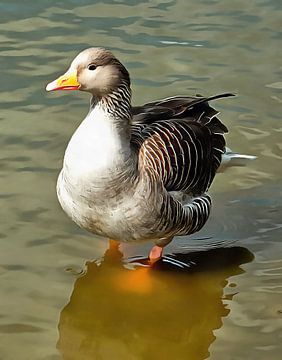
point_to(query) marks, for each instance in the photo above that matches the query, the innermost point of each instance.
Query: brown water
(229, 304)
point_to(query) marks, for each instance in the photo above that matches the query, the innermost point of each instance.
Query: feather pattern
(179, 142)
(181, 139)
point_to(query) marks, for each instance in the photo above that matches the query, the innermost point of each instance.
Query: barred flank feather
(182, 141)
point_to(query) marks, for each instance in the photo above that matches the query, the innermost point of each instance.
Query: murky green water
(230, 305)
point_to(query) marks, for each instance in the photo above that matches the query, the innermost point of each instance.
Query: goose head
(95, 70)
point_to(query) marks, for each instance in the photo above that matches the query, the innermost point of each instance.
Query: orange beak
(68, 81)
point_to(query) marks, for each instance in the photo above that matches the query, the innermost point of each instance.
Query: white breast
(95, 149)
(95, 187)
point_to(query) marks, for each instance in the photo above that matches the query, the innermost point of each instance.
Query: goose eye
(92, 67)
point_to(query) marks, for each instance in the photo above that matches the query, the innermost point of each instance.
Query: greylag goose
(138, 173)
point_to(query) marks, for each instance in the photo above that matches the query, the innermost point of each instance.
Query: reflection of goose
(138, 173)
(116, 313)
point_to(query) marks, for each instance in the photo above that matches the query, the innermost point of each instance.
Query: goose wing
(181, 139)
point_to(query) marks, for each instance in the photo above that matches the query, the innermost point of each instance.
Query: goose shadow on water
(164, 312)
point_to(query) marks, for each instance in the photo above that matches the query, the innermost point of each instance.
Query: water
(228, 305)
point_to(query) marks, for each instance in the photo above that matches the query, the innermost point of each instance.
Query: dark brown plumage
(181, 139)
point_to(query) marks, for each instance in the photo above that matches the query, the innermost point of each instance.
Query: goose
(139, 173)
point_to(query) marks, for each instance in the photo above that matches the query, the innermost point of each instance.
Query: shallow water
(227, 305)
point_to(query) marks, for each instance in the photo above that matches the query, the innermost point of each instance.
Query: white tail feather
(230, 158)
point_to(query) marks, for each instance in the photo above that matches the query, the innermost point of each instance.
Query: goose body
(137, 173)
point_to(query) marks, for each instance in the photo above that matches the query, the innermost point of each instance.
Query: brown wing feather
(180, 139)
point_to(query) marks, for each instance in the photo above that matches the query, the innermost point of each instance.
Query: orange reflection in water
(160, 313)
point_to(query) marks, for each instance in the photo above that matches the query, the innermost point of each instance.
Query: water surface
(231, 311)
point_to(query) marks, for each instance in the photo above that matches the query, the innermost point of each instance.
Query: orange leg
(113, 244)
(155, 254)
(113, 253)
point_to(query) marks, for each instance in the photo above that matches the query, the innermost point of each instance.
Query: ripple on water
(170, 47)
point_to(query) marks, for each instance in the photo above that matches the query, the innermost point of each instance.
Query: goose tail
(230, 158)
